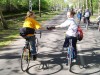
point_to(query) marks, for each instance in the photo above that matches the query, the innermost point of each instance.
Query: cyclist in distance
(71, 33)
(31, 24)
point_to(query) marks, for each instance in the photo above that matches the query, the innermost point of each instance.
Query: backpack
(79, 33)
(25, 31)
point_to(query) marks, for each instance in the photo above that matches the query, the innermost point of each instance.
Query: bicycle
(26, 53)
(70, 54)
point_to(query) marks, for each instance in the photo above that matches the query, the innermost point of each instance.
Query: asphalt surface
(51, 58)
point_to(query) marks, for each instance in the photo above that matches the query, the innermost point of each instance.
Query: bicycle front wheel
(25, 59)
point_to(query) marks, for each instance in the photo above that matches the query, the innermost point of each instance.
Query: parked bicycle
(26, 53)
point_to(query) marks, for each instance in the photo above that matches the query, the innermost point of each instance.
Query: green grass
(6, 36)
(93, 18)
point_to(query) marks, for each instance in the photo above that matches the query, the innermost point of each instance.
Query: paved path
(51, 60)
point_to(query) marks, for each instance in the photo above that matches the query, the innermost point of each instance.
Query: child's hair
(29, 13)
(72, 13)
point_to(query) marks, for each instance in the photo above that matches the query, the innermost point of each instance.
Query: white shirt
(72, 29)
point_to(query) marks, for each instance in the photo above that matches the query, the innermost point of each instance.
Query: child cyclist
(71, 33)
(29, 26)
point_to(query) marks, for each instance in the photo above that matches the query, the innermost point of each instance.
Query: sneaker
(35, 57)
(64, 49)
(74, 60)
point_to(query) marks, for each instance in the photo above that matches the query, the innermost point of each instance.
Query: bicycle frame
(27, 45)
(70, 54)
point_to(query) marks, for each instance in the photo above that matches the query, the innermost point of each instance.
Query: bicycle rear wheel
(69, 56)
(25, 59)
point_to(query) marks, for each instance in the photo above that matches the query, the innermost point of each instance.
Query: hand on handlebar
(50, 28)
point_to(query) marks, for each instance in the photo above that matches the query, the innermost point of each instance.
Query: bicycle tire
(36, 44)
(69, 58)
(25, 59)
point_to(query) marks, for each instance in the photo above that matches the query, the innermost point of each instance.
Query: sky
(65, 0)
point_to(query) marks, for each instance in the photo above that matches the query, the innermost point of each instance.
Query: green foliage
(20, 5)
(83, 4)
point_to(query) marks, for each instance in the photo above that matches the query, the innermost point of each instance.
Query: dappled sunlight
(51, 58)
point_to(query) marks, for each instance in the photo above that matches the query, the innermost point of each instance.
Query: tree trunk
(99, 8)
(40, 8)
(91, 6)
(79, 4)
(8, 5)
(3, 21)
(86, 3)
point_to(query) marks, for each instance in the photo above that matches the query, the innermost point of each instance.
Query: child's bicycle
(70, 54)
(26, 53)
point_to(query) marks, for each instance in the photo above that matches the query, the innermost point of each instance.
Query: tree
(86, 3)
(91, 6)
(98, 7)
(3, 21)
(40, 8)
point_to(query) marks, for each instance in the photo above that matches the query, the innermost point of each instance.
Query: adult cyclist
(71, 33)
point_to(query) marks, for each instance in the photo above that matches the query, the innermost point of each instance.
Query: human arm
(39, 26)
(64, 24)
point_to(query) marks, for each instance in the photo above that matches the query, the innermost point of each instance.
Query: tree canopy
(20, 5)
